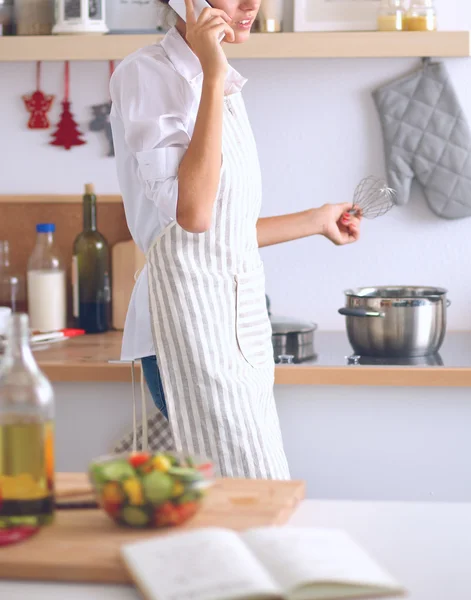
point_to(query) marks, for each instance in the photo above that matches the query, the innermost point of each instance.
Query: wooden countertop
(85, 359)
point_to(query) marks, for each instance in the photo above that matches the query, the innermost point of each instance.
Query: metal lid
(285, 325)
(396, 291)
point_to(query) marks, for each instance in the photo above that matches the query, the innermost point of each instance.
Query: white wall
(318, 135)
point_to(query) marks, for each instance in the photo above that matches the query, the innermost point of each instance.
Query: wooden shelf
(56, 199)
(342, 44)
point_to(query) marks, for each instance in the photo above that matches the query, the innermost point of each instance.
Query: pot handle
(448, 302)
(360, 312)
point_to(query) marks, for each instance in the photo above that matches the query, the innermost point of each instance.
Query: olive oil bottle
(26, 434)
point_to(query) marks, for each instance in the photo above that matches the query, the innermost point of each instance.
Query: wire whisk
(372, 198)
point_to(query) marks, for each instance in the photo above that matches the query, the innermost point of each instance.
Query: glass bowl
(150, 490)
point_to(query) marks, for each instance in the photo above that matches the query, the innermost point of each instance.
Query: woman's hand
(203, 36)
(337, 225)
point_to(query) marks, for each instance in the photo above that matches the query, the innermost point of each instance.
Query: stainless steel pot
(292, 338)
(396, 321)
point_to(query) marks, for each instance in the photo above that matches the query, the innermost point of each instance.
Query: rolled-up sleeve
(153, 102)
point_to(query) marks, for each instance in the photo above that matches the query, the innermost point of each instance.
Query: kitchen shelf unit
(56, 199)
(341, 44)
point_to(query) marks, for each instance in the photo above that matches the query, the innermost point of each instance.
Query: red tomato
(167, 514)
(138, 458)
(112, 508)
(187, 510)
(206, 469)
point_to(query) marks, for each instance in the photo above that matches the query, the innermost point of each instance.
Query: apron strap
(134, 420)
(145, 436)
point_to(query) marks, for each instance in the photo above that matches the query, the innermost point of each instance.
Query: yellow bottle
(421, 16)
(391, 15)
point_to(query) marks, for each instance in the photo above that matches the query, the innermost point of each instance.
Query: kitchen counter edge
(86, 359)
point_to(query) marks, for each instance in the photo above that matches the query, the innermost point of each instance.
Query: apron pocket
(253, 328)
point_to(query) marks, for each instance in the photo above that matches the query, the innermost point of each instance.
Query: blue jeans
(154, 383)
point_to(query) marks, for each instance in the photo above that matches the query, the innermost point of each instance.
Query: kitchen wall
(318, 135)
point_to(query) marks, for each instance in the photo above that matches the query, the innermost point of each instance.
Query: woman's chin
(240, 37)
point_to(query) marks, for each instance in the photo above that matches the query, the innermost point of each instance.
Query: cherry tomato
(206, 469)
(138, 459)
(112, 508)
(187, 510)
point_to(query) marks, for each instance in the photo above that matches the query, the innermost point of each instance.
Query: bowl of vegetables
(150, 490)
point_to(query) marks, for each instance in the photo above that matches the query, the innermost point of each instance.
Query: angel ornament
(38, 104)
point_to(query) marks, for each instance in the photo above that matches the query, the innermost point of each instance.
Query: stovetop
(333, 349)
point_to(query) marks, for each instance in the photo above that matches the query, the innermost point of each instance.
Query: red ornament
(38, 104)
(67, 133)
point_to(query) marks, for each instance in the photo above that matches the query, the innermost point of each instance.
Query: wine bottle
(91, 281)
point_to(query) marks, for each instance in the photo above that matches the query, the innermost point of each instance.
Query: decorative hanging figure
(67, 133)
(38, 104)
(101, 119)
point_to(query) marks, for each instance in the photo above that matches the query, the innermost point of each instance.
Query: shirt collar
(188, 65)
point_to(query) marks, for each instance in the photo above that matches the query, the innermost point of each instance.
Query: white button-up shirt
(155, 93)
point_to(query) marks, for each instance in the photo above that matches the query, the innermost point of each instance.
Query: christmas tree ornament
(101, 119)
(67, 133)
(38, 104)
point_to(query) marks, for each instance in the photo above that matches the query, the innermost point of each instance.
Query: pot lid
(284, 325)
(396, 291)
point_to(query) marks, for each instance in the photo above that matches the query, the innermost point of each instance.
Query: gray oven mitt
(426, 136)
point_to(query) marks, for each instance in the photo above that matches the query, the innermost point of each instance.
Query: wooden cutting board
(83, 545)
(126, 260)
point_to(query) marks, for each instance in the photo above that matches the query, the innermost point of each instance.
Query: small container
(391, 15)
(34, 17)
(270, 16)
(421, 16)
(6, 17)
(27, 438)
(46, 283)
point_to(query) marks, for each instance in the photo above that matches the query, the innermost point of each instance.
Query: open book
(265, 563)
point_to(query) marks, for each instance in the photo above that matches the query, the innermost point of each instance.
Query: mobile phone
(180, 8)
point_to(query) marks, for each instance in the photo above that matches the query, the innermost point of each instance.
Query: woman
(190, 179)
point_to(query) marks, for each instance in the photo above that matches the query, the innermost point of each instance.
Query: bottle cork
(89, 189)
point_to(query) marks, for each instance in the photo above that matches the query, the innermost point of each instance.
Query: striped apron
(211, 329)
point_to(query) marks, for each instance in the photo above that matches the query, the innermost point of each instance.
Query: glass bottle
(391, 15)
(91, 272)
(421, 16)
(47, 302)
(6, 17)
(26, 435)
(12, 285)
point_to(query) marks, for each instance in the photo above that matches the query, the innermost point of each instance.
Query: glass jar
(34, 17)
(46, 283)
(6, 17)
(26, 438)
(12, 284)
(421, 16)
(391, 15)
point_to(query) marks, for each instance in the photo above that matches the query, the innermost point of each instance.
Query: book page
(208, 564)
(298, 557)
